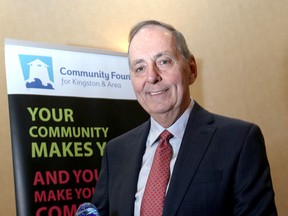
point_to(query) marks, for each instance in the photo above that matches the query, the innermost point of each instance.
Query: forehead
(151, 39)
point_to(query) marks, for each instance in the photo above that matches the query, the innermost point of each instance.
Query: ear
(193, 70)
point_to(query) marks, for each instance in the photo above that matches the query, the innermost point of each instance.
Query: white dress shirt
(177, 129)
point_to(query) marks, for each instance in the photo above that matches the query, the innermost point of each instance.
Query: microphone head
(87, 209)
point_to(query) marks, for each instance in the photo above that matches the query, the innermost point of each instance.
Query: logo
(37, 71)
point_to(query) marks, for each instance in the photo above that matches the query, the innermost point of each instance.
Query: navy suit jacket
(221, 169)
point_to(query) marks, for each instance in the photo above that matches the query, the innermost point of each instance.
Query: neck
(169, 118)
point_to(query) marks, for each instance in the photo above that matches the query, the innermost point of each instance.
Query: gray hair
(181, 44)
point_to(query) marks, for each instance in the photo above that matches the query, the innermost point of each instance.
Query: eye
(164, 62)
(139, 69)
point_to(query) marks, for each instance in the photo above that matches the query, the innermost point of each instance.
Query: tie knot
(166, 135)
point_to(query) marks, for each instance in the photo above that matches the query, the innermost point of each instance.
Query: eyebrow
(136, 61)
(158, 55)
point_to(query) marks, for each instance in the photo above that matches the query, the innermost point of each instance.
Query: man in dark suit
(218, 166)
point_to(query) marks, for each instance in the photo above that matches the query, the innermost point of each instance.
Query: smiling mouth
(158, 92)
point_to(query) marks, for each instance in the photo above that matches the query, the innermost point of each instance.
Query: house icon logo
(37, 71)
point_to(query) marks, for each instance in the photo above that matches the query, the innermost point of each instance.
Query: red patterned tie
(155, 191)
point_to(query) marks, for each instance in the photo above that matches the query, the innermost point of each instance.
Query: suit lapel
(195, 142)
(135, 149)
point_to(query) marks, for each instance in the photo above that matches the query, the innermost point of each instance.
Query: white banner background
(113, 79)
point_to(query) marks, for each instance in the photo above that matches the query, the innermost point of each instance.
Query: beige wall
(241, 48)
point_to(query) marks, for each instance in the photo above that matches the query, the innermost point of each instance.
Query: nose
(153, 75)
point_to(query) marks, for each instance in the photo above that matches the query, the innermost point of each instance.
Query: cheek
(179, 82)
(182, 86)
(137, 85)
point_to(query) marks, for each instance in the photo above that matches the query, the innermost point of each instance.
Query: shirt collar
(177, 129)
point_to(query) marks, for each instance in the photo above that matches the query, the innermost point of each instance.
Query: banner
(65, 104)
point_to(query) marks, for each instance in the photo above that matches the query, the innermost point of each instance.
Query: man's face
(160, 75)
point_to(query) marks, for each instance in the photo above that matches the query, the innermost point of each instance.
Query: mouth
(154, 93)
